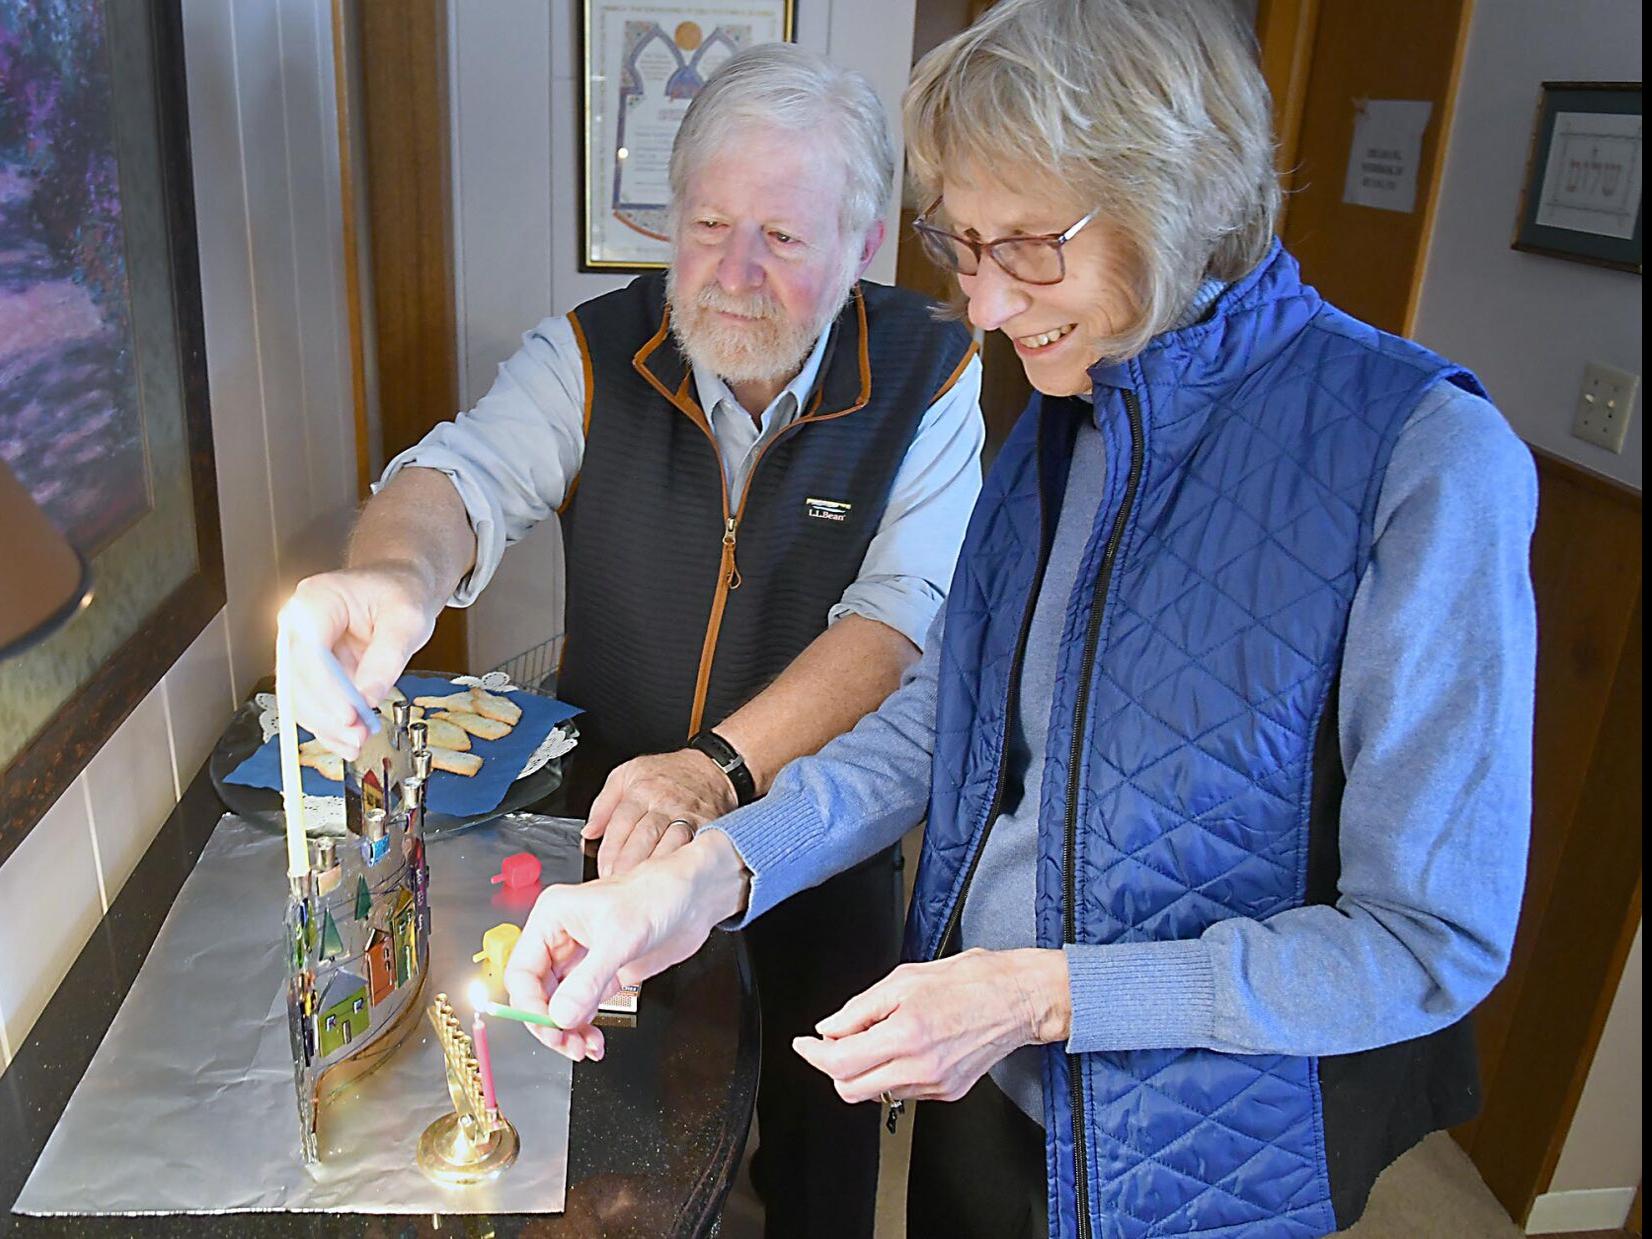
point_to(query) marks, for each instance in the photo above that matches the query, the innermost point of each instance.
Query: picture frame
(118, 263)
(1581, 197)
(643, 61)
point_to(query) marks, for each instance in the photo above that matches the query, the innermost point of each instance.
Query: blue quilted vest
(1186, 778)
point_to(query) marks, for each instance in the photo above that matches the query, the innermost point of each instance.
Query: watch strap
(729, 761)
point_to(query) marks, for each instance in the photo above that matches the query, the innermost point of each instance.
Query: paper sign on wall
(1388, 145)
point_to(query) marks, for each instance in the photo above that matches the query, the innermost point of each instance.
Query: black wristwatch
(729, 761)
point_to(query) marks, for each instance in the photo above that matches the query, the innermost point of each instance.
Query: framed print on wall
(643, 64)
(1582, 197)
(103, 392)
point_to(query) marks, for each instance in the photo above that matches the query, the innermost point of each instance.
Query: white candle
(292, 787)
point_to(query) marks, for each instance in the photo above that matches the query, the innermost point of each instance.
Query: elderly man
(764, 468)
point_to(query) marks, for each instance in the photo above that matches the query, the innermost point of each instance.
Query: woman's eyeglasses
(1032, 260)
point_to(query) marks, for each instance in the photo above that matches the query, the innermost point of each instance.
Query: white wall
(515, 68)
(1603, 1149)
(1526, 323)
(263, 132)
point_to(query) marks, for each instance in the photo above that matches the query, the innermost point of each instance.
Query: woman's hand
(928, 1032)
(581, 943)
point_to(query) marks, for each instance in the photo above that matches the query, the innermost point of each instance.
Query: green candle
(516, 1013)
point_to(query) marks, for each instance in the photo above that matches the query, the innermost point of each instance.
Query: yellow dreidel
(497, 945)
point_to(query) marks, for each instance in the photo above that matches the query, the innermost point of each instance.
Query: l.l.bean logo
(827, 509)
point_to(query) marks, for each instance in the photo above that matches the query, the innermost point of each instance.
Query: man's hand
(928, 1032)
(581, 943)
(652, 805)
(372, 618)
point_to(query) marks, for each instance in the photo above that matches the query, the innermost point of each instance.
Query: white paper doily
(325, 814)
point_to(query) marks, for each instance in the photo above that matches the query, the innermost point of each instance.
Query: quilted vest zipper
(1081, 705)
(947, 941)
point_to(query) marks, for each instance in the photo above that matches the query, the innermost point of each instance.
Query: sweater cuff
(770, 837)
(1140, 996)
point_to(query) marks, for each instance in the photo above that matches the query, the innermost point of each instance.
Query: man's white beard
(769, 347)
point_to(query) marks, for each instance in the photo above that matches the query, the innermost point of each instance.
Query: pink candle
(479, 1035)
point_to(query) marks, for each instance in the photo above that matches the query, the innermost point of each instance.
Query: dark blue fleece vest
(1193, 690)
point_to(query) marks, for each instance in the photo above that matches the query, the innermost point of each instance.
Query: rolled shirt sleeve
(513, 457)
(1435, 714)
(908, 565)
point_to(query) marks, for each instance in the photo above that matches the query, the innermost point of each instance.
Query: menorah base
(450, 1154)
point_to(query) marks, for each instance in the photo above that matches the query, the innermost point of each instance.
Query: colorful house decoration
(343, 1012)
(358, 946)
(403, 925)
(381, 966)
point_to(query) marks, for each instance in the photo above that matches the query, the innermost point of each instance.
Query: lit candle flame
(478, 996)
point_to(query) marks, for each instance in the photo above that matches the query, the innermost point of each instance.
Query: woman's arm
(1436, 726)
(858, 795)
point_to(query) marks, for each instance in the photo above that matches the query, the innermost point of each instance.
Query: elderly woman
(1223, 737)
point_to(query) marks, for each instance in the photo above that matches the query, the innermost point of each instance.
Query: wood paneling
(1285, 36)
(1368, 261)
(1539, 1028)
(406, 123)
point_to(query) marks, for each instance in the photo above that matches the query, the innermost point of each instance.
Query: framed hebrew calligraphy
(643, 64)
(1582, 196)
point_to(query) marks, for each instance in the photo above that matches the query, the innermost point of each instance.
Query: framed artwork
(1582, 196)
(103, 392)
(643, 64)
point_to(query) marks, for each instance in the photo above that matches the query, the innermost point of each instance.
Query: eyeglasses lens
(948, 253)
(1036, 261)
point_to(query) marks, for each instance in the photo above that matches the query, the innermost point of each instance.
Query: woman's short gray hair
(1155, 111)
(781, 85)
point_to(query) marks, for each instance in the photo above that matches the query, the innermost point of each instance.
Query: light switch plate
(1604, 406)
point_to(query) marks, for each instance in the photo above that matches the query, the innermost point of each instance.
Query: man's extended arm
(417, 519)
(436, 529)
(410, 549)
(843, 674)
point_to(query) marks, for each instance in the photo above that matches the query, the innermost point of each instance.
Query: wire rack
(536, 666)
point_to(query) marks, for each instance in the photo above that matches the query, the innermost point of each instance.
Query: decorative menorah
(475, 1142)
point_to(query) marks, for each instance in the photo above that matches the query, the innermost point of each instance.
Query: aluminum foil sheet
(188, 1107)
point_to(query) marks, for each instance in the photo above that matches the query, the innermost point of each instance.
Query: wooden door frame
(401, 52)
(1285, 42)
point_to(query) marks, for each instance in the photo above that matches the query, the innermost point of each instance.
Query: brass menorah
(474, 1142)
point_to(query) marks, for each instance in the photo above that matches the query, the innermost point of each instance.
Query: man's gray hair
(783, 86)
(1155, 111)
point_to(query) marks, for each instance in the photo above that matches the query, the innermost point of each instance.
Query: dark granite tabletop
(656, 1130)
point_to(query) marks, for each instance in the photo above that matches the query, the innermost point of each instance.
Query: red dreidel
(518, 869)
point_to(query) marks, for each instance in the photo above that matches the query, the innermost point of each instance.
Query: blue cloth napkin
(450, 794)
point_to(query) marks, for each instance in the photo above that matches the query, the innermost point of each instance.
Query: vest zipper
(1092, 637)
(948, 937)
(728, 571)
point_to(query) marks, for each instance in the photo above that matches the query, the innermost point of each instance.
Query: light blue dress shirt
(515, 455)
